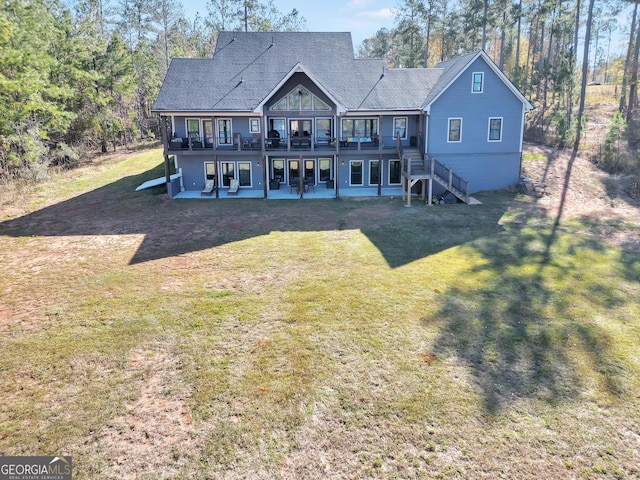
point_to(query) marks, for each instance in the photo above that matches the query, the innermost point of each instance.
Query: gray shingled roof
(246, 67)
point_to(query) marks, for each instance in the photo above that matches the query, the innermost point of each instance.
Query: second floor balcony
(259, 143)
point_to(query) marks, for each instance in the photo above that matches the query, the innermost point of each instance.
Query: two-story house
(296, 114)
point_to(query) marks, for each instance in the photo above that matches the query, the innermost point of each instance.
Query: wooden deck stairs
(417, 168)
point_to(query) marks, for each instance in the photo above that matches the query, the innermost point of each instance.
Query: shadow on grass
(172, 228)
(533, 326)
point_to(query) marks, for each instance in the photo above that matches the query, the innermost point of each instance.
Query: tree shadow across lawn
(172, 228)
(530, 327)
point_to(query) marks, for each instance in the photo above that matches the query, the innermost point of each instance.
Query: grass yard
(242, 338)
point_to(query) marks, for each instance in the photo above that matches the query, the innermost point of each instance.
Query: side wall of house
(486, 164)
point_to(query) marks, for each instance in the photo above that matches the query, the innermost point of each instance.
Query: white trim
(250, 162)
(384, 113)
(376, 118)
(330, 159)
(473, 82)
(351, 162)
(288, 165)
(389, 175)
(370, 162)
(299, 68)
(206, 113)
(209, 162)
(236, 172)
(186, 126)
(217, 130)
(524, 111)
(489, 129)
(315, 169)
(317, 130)
(449, 129)
(406, 127)
(300, 119)
(425, 147)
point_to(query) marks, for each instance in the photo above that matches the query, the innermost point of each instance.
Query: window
(324, 131)
(400, 127)
(325, 169)
(294, 170)
(228, 172)
(209, 170)
(240, 171)
(277, 125)
(395, 177)
(355, 172)
(455, 130)
(277, 169)
(300, 99)
(207, 126)
(254, 125)
(294, 100)
(193, 128)
(305, 99)
(244, 174)
(359, 127)
(224, 132)
(495, 129)
(310, 171)
(477, 82)
(374, 172)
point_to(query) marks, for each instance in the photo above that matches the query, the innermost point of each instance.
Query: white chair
(208, 188)
(233, 187)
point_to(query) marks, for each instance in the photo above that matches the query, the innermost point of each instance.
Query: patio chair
(233, 187)
(208, 188)
(294, 184)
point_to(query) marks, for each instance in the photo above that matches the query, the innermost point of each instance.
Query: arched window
(300, 99)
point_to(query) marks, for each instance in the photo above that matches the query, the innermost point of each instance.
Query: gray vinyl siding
(487, 165)
(193, 170)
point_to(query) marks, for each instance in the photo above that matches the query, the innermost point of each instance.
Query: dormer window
(477, 82)
(300, 99)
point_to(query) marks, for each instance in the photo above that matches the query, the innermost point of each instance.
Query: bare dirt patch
(156, 430)
(576, 188)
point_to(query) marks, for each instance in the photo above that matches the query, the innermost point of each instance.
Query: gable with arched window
(298, 99)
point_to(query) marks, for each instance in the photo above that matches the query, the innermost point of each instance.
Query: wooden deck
(416, 168)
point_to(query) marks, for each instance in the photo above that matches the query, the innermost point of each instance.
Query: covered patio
(286, 194)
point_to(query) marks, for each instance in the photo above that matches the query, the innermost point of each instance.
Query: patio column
(264, 175)
(217, 179)
(167, 174)
(337, 176)
(164, 132)
(379, 175)
(300, 177)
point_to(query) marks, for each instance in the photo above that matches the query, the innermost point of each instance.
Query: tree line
(83, 74)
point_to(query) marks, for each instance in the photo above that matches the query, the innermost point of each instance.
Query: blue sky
(363, 18)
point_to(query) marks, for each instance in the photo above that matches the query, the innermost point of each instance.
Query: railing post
(239, 140)
(409, 185)
(450, 177)
(467, 193)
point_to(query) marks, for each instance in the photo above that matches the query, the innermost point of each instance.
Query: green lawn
(245, 338)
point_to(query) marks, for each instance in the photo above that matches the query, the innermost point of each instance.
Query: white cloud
(382, 14)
